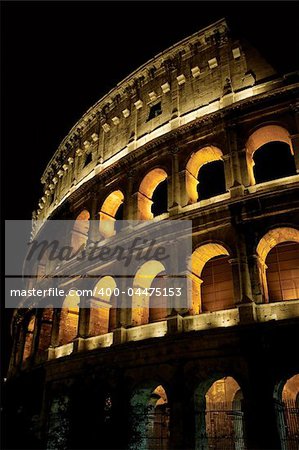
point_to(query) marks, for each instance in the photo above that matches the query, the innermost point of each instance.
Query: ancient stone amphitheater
(205, 131)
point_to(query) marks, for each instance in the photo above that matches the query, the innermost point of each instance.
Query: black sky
(59, 58)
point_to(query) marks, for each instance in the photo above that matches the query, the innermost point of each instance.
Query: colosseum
(206, 131)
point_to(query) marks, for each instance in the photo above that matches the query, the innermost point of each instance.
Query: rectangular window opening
(155, 111)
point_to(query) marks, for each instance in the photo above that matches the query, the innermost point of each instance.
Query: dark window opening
(160, 199)
(211, 180)
(88, 159)
(155, 111)
(273, 160)
(119, 217)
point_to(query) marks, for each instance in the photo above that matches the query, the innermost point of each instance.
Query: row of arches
(218, 408)
(269, 154)
(213, 289)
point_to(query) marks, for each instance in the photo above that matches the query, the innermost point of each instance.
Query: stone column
(259, 414)
(183, 191)
(246, 306)
(93, 232)
(123, 313)
(178, 413)
(227, 172)
(234, 262)
(238, 163)
(174, 188)
(130, 200)
(254, 270)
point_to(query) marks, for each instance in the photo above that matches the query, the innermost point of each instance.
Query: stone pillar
(259, 415)
(183, 191)
(256, 284)
(130, 200)
(242, 155)
(93, 232)
(195, 293)
(227, 172)
(234, 262)
(174, 188)
(238, 163)
(245, 282)
(182, 413)
(246, 306)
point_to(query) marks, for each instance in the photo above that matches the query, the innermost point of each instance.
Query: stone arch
(101, 306)
(147, 187)
(262, 136)
(80, 230)
(218, 414)
(197, 160)
(149, 418)
(142, 303)
(285, 274)
(108, 213)
(69, 318)
(286, 401)
(207, 296)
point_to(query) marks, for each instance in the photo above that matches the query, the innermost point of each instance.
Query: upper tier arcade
(199, 78)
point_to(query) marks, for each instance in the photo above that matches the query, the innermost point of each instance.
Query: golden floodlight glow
(146, 190)
(104, 288)
(262, 136)
(143, 280)
(108, 212)
(270, 240)
(80, 230)
(199, 258)
(197, 160)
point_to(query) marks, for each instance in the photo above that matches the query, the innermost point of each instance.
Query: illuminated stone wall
(220, 102)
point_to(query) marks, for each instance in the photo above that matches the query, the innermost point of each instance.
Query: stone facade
(78, 380)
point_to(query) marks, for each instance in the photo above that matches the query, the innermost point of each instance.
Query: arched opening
(45, 330)
(219, 415)
(152, 195)
(29, 334)
(269, 154)
(159, 199)
(102, 315)
(80, 231)
(146, 305)
(286, 397)
(212, 279)
(149, 419)
(278, 261)
(211, 180)
(69, 318)
(273, 160)
(111, 211)
(205, 174)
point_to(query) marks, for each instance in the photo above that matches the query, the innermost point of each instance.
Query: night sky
(59, 58)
